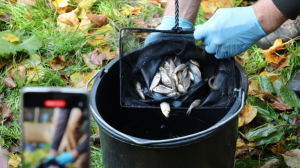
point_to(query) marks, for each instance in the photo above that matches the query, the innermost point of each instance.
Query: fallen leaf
(10, 37)
(211, 6)
(58, 63)
(240, 142)
(68, 21)
(85, 23)
(56, 8)
(278, 149)
(96, 59)
(14, 148)
(265, 94)
(99, 20)
(292, 158)
(154, 22)
(264, 73)
(21, 69)
(85, 4)
(253, 86)
(106, 54)
(6, 17)
(161, 3)
(100, 39)
(33, 74)
(86, 59)
(281, 106)
(251, 113)
(291, 139)
(241, 150)
(242, 116)
(97, 140)
(14, 160)
(271, 164)
(129, 10)
(256, 152)
(63, 3)
(4, 111)
(79, 80)
(269, 54)
(274, 77)
(9, 82)
(251, 144)
(33, 61)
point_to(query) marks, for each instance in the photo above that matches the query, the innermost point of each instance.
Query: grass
(71, 45)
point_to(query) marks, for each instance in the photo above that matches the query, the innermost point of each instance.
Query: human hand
(168, 22)
(230, 32)
(65, 158)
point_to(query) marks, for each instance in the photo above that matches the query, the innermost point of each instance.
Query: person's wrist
(53, 152)
(268, 15)
(75, 153)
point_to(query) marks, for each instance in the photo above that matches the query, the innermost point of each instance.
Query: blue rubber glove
(65, 158)
(49, 159)
(167, 23)
(230, 32)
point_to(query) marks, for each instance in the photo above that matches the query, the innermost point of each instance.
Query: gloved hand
(167, 23)
(65, 158)
(49, 159)
(230, 32)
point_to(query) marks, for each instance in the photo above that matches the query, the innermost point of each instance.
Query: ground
(61, 43)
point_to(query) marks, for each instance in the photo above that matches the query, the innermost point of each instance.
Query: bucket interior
(147, 123)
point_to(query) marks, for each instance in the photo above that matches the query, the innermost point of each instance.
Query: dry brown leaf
(58, 63)
(154, 22)
(106, 54)
(5, 112)
(21, 69)
(86, 59)
(35, 73)
(269, 54)
(96, 59)
(97, 140)
(274, 77)
(281, 106)
(251, 113)
(241, 150)
(14, 148)
(9, 82)
(6, 17)
(271, 164)
(99, 20)
(278, 149)
(65, 21)
(265, 94)
(292, 158)
(256, 152)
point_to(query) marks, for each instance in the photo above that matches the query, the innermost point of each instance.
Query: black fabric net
(142, 63)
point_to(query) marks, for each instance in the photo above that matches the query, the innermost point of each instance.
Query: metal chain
(176, 27)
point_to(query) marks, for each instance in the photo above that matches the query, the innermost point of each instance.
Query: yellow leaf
(80, 80)
(240, 142)
(274, 77)
(292, 158)
(34, 60)
(14, 160)
(2, 13)
(11, 38)
(251, 113)
(253, 86)
(211, 6)
(86, 59)
(251, 144)
(35, 73)
(68, 21)
(63, 4)
(125, 12)
(97, 40)
(106, 54)
(292, 138)
(264, 73)
(278, 149)
(58, 63)
(85, 23)
(76, 77)
(269, 54)
(81, 13)
(85, 4)
(242, 117)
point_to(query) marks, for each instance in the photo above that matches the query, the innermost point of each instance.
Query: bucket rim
(239, 103)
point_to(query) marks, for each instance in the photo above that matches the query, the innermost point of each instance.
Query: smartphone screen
(55, 129)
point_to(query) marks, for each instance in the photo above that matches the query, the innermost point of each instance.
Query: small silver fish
(181, 89)
(195, 104)
(195, 70)
(162, 89)
(185, 72)
(175, 78)
(165, 108)
(186, 82)
(138, 88)
(195, 63)
(180, 67)
(179, 76)
(155, 81)
(166, 65)
(173, 84)
(211, 85)
(177, 61)
(165, 79)
(173, 94)
(172, 66)
(191, 76)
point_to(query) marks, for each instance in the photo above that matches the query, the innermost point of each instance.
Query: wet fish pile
(173, 79)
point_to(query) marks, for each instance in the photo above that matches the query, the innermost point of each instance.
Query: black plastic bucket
(144, 138)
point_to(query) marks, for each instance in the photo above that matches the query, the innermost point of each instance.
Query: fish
(165, 79)
(173, 84)
(181, 89)
(166, 65)
(185, 72)
(195, 104)
(211, 85)
(186, 82)
(195, 70)
(191, 76)
(138, 88)
(180, 67)
(173, 94)
(175, 78)
(163, 89)
(155, 81)
(165, 108)
(177, 61)
(179, 76)
(172, 66)
(195, 63)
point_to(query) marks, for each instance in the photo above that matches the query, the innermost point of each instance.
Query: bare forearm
(268, 15)
(188, 9)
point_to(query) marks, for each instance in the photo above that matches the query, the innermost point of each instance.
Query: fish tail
(189, 111)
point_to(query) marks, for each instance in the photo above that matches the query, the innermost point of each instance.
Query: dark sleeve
(61, 126)
(290, 8)
(83, 146)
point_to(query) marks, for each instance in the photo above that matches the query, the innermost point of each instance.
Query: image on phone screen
(55, 131)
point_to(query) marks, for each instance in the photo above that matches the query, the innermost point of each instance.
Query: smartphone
(55, 127)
